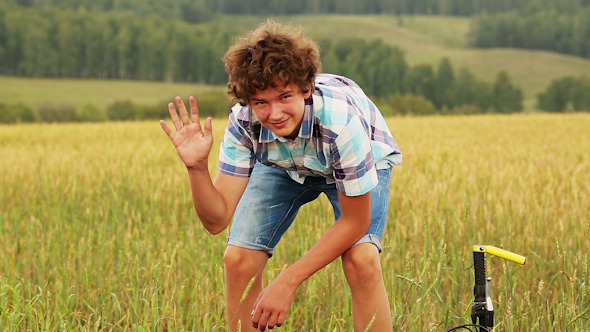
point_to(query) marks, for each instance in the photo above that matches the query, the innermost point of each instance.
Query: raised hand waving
(192, 142)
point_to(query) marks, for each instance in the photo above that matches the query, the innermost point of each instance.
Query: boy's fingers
(281, 319)
(194, 109)
(167, 129)
(208, 126)
(272, 321)
(256, 313)
(182, 111)
(174, 116)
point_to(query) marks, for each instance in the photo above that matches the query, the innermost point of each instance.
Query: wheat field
(98, 233)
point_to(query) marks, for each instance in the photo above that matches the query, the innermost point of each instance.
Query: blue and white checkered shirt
(343, 137)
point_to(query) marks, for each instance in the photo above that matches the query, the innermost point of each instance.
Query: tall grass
(98, 231)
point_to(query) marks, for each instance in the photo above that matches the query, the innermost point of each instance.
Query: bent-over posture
(293, 134)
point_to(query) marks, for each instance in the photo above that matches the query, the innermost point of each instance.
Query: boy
(293, 134)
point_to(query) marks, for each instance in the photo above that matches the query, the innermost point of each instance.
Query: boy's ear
(307, 92)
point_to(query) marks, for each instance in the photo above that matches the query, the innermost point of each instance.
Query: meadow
(35, 92)
(98, 232)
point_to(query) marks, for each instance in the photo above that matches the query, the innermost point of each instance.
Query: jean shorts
(272, 199)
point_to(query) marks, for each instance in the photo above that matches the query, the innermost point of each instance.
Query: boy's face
(280, 108)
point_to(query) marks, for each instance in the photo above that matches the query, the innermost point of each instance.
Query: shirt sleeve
(236, 156)
(354, 167)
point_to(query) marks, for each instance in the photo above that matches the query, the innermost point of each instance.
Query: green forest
(201, 10)
(184, 40)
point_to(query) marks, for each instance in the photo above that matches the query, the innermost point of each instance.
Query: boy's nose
(276, 111)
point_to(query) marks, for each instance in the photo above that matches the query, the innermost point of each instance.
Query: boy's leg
(369, 297)
(241, 266)
(267, 209)
(362, 266)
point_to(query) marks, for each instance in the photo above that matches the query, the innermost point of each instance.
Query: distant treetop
(203, 10)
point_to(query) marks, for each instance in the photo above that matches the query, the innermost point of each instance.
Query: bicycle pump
(482, 311)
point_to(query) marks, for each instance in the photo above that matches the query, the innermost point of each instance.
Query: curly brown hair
(272, 55)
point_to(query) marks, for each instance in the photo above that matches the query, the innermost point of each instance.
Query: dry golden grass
(98, 231)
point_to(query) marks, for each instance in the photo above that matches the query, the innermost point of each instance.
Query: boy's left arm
(270, 309)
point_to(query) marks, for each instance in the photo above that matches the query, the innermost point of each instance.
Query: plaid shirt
(343, 137)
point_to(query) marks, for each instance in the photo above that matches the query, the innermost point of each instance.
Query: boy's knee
(244, 262)
(234, 258)
(362, 264)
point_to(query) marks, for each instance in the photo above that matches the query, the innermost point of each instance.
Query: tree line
(58, 43)
(567, 33)
(383, 73)
(120, 45)
(556, 25)
(566, 94)
(204, 10)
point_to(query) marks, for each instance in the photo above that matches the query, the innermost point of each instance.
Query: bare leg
(362, 268)
(241, 266)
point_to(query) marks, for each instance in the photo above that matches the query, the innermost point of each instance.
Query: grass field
(98, 231)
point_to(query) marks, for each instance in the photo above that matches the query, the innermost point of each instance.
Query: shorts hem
(371, 238)
(250, 245)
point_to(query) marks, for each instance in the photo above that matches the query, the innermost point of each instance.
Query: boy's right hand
(192, 142)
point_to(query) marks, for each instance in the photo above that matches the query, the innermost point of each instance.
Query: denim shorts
(272, 199)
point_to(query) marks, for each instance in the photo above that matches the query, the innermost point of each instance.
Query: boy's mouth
(280, 124)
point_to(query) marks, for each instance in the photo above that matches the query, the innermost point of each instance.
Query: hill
(424, 39)
(427, 39)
